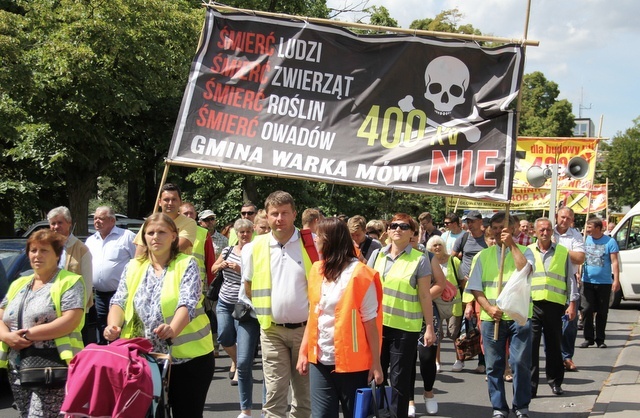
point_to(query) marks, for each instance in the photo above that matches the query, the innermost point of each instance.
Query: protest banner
(285, 97)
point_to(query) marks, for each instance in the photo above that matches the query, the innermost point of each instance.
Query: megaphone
(537, 176)
(578, 168)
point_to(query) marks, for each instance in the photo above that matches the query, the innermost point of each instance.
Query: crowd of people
(331, 306)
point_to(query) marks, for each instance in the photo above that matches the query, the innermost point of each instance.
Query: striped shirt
(231, 285)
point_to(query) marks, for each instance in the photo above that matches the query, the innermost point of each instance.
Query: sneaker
(438, 367)
(480, 369)
(412, 411)
(432, 405)
(586, 343)
(243, 415)
(457, 366)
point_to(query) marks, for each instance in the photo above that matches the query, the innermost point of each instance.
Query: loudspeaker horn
(578, 168)
(537, 176)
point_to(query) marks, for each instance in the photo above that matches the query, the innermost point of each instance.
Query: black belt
(291, 326)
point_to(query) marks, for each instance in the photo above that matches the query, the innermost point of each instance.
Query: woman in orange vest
(340, 354)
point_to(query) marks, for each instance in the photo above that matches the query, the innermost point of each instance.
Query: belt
(111, 293)
(291, 325)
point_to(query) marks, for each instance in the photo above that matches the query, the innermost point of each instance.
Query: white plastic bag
(515, 297)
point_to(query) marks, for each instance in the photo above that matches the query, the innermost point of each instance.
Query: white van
(627, 234)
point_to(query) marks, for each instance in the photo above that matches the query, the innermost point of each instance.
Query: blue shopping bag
(364, 405)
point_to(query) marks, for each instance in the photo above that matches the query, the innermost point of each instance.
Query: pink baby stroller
(122, 379)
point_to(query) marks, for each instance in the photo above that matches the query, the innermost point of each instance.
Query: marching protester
(160, 298)
(340, 347)
(570, 238)
(450, 313)
(43, 312)
(553, 284)
(483, 285)
(230, 264)
(600, 277)
(275, 269)
(404, 271)
(170, 201)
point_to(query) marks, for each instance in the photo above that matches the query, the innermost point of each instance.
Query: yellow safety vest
(490, 272)
(550, 285)
(68, 345)
(401, 308)
(195, 339)
(261, 278)
(198, 252)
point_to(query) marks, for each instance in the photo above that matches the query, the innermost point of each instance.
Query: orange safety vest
(352, 351)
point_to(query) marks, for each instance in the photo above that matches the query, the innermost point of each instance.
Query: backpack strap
(309, 245)
(365, 247)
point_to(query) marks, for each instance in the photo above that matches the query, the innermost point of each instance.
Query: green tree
(621, 165)
(541, 113)
(104, 77)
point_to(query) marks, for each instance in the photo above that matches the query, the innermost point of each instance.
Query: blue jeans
(330, 389)
(569, 335)
(227, 326)
(248, 337)
(495, 352)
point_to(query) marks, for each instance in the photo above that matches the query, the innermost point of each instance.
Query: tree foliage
(621, 165)
(542, 114)
(104, 77)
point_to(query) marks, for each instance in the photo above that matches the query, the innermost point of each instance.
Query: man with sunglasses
(454, 230)
(248, 211)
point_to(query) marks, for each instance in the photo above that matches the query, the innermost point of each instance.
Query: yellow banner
(539, 199)
(543, 153)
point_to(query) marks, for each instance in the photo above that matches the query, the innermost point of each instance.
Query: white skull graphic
(447, 80)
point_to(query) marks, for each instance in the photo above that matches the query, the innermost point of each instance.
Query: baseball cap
(206, 214)
(473, 215)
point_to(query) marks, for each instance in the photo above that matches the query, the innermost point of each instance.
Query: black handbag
(40, 367)
(241, 312)
(214, 289)
(381, 408)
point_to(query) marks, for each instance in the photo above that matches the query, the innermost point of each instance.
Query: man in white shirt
(275, 267)
(564, 234)
(111, 248)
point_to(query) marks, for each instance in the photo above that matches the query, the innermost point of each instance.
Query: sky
(588, 47)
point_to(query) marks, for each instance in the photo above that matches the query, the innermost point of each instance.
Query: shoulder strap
(365, 247)
(465, 237)
(309, 245)
(453, 268)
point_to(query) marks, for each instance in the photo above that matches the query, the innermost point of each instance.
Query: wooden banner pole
(415, 32)
(496, 325)
(165, 173)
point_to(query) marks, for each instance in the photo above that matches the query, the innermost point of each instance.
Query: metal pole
(554, 191)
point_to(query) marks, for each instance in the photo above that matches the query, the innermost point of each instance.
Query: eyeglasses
(248, 213)
(404, 227)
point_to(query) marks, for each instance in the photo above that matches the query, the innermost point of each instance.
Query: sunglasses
(249, 213)
(404, 227)
(209, 219)
(447, 223)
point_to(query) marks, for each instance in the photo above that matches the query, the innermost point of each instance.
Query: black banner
(288, 98)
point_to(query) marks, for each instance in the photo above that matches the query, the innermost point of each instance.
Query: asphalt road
(462, 394)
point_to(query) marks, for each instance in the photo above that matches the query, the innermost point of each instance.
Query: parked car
(627, 235)
(122, 221)
(13, 262)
